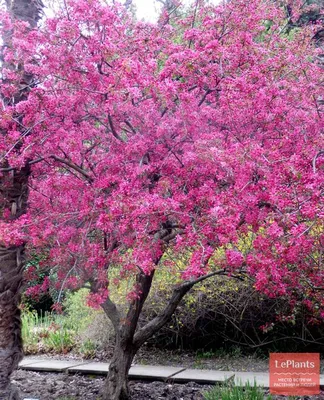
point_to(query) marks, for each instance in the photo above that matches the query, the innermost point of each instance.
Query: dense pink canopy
(194, 136)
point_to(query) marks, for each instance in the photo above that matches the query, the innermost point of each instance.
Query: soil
(61, 386)
(50, 386)
(207, 360)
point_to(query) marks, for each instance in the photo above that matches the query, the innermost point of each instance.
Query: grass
(231, 392)
(47, 333)
(59, 333)
(233, 352)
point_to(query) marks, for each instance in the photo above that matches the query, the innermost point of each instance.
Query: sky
(148, 9)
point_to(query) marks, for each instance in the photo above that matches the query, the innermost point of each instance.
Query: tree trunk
(10, 331)
(116, 385)
(14, 194)
(129, 337)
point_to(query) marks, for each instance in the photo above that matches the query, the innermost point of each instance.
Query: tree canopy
(192, 135)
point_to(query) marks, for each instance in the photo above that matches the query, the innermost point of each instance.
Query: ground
(50, 386)
(204, 360)
(62, 386)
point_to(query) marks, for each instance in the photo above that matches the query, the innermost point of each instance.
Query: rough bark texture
(13, 198)
(10, 326)
(116, 385)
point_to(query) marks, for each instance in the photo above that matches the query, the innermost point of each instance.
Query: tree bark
(116, 385)
(13, 198)
(10, 325)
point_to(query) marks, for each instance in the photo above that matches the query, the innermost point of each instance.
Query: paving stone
(203, 376)
(95, 368)
(261, 378)
(153, 372)
(51, 365)
(29, 360)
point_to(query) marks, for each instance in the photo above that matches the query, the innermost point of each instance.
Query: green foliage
(44, 300)
(78, 315)
(30, 336)
(231, 392)
(61, 333)
(231, 352)
(47, 333)
(88, 349)
(59, 339)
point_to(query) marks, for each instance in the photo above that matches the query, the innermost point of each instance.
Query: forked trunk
(116, 385)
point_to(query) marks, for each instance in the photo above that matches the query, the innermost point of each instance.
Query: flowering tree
(148, 140)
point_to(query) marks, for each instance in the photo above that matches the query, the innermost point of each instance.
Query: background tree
(159, 146)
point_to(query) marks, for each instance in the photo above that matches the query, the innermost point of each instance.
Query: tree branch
(320, 153)
(113, 130)
(58, 159)
(208, 91)
(144, 285)
(37, 160)
(130, 126)
(73, 166)
(112, 313)
(148, 330)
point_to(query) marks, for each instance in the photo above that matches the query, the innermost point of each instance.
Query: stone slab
(29, 360)
(203, 376)
(153, 372)
(260, 378)
(95, 368)
(51, 365)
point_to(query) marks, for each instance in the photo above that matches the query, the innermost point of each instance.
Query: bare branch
(130, 126)
(320, 153)
(143, 334)
(112, 313)
(144, 283)
(58, 159)
(113, 130)
(37, 160)
(204, 97)
(73, 166)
